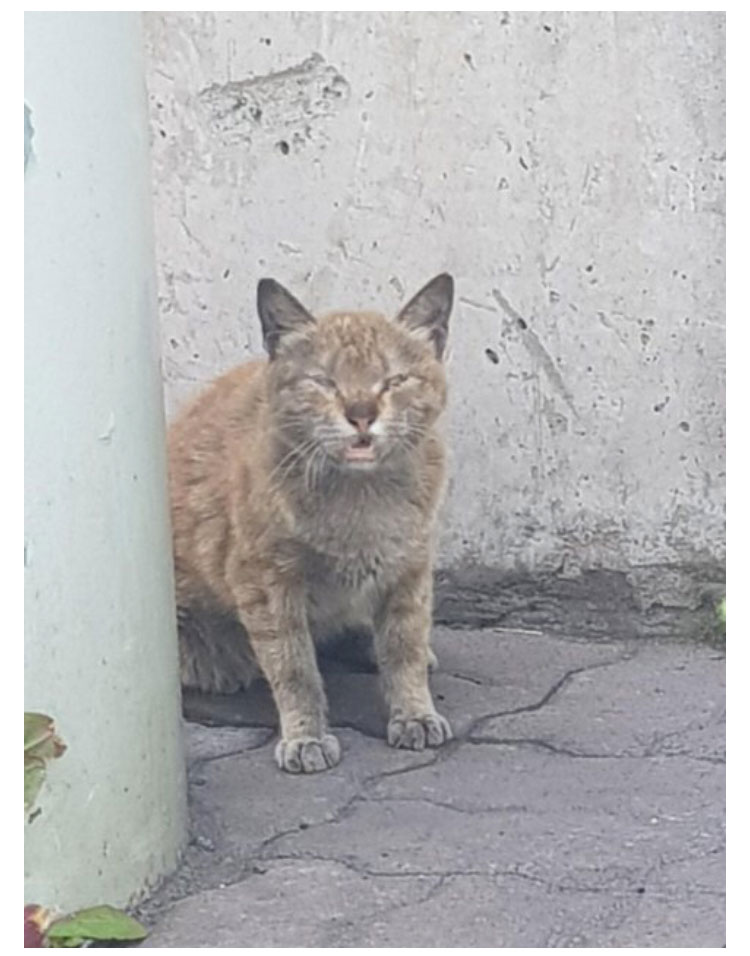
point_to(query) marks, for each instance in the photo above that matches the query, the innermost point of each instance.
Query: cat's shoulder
(234, 387)
(241, 378)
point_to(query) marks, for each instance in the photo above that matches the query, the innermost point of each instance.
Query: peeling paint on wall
(286, 100)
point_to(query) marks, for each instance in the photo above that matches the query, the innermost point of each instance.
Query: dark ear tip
(267, 285)
(444, 283)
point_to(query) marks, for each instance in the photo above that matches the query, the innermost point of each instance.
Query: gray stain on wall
(28, 135)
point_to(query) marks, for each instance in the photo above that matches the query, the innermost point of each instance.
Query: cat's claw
(416, 733)
(308, 754)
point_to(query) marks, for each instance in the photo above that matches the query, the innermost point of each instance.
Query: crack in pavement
(197, 763)
(399, 771)
(638, 887)
(559, 684)
(539, 743)
(435, 757)
(230, 866)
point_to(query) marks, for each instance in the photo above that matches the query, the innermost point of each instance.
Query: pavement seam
(540, 743)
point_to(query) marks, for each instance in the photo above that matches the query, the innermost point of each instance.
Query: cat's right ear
(426, 315)
(280, 314)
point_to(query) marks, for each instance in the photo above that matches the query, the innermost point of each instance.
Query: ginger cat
(304, 491)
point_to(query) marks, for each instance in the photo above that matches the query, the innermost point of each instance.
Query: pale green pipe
(100, 644)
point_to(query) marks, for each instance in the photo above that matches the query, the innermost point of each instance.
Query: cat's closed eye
(395, 380)
(322, 381)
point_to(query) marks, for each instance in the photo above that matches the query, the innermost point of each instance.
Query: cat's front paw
(418, 732)
(308, 754)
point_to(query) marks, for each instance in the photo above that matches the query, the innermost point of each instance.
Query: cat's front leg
(402, 636)
(276, 623)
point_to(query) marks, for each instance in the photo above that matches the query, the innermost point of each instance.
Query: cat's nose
(361, 414)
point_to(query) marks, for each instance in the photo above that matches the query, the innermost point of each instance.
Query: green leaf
(39, 737)
(36, 728)
(721, 611)
(40, 744)
(97, 923)
(34, 772)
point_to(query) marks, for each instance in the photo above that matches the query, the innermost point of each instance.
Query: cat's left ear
(280, 314)
(426, 315)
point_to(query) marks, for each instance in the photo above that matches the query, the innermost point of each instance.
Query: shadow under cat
(351, 681)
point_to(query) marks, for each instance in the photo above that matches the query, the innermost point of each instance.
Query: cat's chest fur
(353, 550)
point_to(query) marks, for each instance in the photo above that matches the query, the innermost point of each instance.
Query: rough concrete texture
(658, 601)
(581, 804)
(567, 168)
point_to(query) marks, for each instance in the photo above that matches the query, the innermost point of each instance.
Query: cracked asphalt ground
(581, 804)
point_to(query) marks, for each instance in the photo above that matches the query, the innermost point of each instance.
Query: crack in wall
(536, 349)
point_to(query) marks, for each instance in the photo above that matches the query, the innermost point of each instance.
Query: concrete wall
(567, 168)
(100, 642)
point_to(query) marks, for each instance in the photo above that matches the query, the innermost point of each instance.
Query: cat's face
(354, 391)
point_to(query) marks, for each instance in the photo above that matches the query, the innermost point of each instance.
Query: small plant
(40, 745)
(97, 924)
(42, 926)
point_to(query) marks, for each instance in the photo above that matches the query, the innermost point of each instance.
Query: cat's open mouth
(360, 451)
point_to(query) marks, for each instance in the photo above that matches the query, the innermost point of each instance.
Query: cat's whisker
(293, 454)
(289, 461)
(310, 469)
(320, 466)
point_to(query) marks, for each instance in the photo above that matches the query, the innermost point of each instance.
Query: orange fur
(304, 491)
